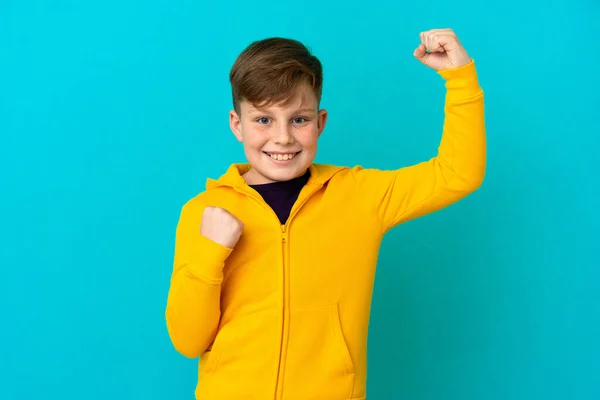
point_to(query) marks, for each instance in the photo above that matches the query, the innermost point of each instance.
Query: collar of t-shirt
(281, 196)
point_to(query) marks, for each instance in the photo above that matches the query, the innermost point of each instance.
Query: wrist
(463, 80)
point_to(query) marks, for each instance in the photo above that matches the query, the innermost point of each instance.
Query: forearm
(193, 312)
(462, 151)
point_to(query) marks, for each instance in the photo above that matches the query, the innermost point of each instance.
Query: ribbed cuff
(461, 81)
(208, 260)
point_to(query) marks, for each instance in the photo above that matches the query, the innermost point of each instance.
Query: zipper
(284, 244)
(278, 386)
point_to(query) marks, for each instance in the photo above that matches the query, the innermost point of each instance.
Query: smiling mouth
(281, 157)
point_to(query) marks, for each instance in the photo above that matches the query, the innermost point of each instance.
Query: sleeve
(193, 303)
(457, 170)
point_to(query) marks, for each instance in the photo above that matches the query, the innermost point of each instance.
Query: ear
(322, 120)
(235, 124)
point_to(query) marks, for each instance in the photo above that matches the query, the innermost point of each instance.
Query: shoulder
(223, 197)
(209, 197)
(194, 207)
(339, 174)
(323, 173)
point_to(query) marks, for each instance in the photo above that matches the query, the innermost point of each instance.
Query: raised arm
(458, 169)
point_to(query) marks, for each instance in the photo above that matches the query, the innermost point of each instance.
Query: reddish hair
(269, 71)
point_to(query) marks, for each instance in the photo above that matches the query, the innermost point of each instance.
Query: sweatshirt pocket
(318, 364)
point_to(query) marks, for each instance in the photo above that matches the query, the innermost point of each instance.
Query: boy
(275, 261)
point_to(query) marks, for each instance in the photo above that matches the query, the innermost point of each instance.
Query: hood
(319, 174)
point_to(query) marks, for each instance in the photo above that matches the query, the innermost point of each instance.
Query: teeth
(282, 157)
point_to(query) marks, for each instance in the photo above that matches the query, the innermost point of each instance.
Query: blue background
(113, 114)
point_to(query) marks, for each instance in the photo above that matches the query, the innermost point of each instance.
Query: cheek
(254, 138)
(309, 137)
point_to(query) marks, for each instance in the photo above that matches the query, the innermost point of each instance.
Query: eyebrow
(302, 110)
(261, 110)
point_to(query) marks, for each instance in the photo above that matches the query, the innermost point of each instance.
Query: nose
(283, 135)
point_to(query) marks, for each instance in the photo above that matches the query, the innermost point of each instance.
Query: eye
(299, 120)
(262, 120)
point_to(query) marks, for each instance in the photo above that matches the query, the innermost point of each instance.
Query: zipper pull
(283, 234)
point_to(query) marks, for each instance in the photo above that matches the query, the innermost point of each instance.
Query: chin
(283, 174)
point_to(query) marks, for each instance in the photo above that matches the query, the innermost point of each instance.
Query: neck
(252, 177)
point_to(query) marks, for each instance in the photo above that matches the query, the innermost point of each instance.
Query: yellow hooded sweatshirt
(284, 314)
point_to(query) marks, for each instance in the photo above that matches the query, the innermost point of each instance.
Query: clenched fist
(440, 49)
(220, 226)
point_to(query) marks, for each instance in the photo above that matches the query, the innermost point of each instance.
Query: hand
(440, 49)
(220, 226)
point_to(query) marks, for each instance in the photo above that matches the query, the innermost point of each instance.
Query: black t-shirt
(281, 196)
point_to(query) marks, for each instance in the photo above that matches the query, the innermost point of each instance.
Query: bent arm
(457, 170)
(193, 303)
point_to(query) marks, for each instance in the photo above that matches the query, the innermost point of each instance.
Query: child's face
(279, 142)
